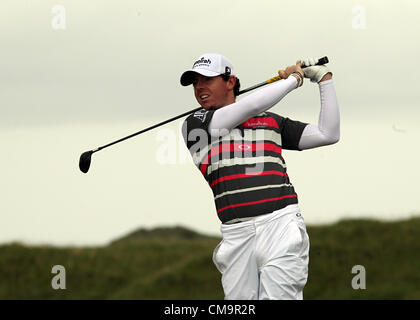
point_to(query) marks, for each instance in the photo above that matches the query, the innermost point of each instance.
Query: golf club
(86, 157)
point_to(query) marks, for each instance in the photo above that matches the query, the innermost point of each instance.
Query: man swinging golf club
(237, 146)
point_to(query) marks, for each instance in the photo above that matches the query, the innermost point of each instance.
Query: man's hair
(237, 84)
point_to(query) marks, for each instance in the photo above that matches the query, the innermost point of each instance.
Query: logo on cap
(202, 61)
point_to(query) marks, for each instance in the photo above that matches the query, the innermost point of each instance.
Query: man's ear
(231, 83)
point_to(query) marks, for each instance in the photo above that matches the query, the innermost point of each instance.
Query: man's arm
(328, 129)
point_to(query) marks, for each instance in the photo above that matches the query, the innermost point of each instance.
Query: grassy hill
(176, 263)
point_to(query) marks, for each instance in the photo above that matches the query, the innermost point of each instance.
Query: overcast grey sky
(114, 69)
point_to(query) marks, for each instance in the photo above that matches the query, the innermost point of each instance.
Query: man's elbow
(330, 138)
(333, 139)
(333, 136)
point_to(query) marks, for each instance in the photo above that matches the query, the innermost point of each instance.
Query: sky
(76, 75)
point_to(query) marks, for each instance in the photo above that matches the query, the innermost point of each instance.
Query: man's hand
(290, 70)
(313, 72)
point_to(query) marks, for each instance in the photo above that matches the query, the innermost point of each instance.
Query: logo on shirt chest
(261, 122)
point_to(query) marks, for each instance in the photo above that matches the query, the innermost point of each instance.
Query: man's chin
(207, 106)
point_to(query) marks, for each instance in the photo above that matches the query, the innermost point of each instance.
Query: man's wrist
(326, 77)
(298, 77)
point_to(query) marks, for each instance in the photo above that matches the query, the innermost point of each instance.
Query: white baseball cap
(210, 65)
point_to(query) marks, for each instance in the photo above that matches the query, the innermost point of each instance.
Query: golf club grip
(321, 61)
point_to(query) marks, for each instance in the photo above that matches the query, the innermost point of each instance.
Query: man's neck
(229, 101)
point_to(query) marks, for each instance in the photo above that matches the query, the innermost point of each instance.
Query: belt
(239, 220)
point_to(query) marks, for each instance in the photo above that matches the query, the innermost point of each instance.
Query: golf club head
(84, 162)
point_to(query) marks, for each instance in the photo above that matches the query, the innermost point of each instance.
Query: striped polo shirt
(245, 168)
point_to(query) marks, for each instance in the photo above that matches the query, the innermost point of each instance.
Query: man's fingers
(282, 74)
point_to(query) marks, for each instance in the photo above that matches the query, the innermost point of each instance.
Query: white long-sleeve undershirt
(326, 132)
(328, 129)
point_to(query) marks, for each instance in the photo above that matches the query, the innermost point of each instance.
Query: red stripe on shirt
(255, 202)
(235, 146)
(247, 175)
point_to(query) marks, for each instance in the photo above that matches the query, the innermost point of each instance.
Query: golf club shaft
(149, 128)
(321, 61)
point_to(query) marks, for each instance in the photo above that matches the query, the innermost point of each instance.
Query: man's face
(212, 91)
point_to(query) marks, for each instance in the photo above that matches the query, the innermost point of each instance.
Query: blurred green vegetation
(176, 263)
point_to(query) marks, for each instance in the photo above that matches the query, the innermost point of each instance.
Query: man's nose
(199, 84)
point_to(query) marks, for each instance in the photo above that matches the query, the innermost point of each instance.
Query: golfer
(238, 147)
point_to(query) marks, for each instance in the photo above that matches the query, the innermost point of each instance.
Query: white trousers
(264, 258)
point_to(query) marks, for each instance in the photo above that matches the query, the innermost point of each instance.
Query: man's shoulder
(272, 114)
(278, 118)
